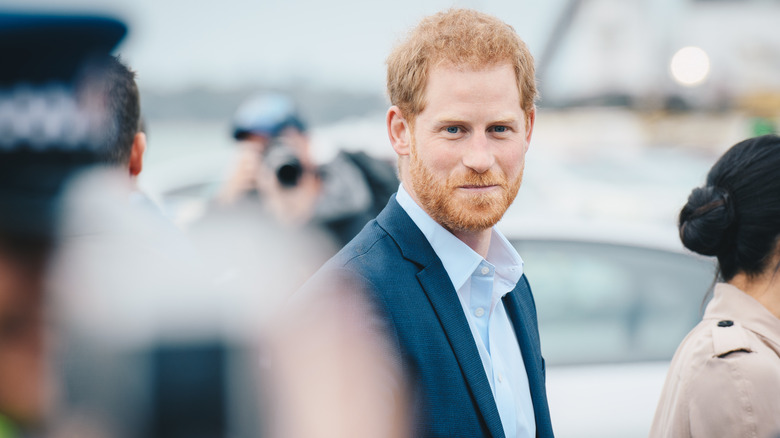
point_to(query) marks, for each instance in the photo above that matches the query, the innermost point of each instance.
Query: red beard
(457, 211)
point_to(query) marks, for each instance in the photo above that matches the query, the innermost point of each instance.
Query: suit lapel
(521, 311)
(444, 300)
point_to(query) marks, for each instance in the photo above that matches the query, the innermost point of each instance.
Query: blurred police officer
(46, 135)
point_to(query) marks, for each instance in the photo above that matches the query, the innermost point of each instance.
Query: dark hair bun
(707, 221)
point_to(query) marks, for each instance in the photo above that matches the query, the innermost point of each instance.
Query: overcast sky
(176, 44)
(611, 47)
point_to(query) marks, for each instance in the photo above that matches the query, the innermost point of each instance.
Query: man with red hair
(447, 286)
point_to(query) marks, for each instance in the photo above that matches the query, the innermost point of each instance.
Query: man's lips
(478, 188)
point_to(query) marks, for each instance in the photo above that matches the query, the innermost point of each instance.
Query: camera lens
(284, 162)
(289, 174)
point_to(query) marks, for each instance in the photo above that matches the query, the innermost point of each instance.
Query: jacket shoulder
(723, 382)
(372, 256)
(367, 248)
(729, 337)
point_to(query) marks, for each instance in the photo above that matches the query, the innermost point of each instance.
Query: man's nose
(479, 155)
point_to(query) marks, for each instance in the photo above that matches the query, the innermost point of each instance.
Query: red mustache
(478, 179)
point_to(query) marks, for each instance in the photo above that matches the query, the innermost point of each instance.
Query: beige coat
(724, 380)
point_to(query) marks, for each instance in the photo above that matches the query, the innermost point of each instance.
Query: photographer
(277, 168)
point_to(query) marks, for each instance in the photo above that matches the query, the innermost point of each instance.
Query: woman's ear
(399, 131)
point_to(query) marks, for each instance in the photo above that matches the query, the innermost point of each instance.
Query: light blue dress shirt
(480, 284)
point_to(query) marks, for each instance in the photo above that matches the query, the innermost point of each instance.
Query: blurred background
(642, 92)
(638, 99)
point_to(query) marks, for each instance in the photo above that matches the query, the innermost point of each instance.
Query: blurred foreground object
(151, 346)
(109, 324)
(46, 135)
(334, 372)
(45, 132)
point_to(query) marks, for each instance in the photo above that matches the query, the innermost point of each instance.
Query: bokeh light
(690, 66)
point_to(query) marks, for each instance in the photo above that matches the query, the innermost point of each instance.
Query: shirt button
(485, 270)
(479, 312)
(725, 323)
(500, 378)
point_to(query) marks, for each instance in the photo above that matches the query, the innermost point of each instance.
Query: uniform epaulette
(729, 337)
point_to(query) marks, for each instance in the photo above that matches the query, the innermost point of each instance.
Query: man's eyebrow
(453, 120)
(505, 121)
(449, 120)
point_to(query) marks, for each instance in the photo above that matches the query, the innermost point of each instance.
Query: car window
(600, 303)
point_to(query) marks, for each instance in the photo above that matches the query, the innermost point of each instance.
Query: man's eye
(499, 129)
(453, 129)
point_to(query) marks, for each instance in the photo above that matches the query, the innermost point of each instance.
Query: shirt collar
(508, 263)
(458, 259)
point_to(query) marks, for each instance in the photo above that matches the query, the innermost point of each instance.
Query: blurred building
(638, 53)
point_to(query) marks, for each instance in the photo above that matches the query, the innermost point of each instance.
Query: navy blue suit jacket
(406, 281)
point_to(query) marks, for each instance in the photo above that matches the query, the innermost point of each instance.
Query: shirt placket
(505, 399)
(481, 297)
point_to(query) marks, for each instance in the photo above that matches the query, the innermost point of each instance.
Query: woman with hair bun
(724, 380)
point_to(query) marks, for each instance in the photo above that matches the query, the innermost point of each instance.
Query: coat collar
(731, 303)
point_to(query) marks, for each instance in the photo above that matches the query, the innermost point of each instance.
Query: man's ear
(137, 154)
(530, 118)
(399, 131)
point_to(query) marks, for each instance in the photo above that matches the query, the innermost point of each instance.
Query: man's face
(468, 146)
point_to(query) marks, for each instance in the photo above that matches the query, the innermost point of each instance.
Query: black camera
(284, 162)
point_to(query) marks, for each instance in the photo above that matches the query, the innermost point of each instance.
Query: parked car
(614, 302)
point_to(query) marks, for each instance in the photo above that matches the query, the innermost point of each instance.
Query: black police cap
(41, 144)
(41, 48)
